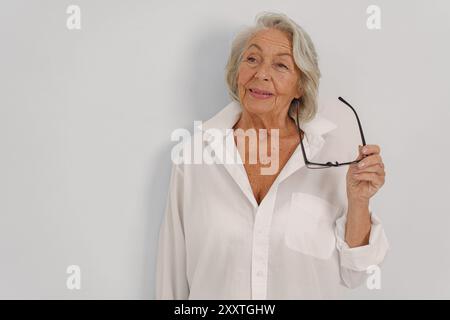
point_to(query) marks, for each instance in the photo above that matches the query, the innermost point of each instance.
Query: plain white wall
(86, 117)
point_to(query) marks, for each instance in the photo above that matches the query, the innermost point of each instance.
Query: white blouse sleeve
(171, 279)
(355, 262)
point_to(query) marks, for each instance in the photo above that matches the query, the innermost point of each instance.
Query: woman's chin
(259, 106)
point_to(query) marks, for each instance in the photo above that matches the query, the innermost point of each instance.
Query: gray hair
(305, 58)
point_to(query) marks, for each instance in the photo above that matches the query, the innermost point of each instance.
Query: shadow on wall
(206, 95)
(206, 74)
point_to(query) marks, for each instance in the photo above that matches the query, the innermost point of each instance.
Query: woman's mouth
(258, 94)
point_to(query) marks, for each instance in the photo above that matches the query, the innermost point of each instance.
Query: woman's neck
(280, 121)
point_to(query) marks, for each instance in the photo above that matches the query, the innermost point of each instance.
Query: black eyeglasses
(314, 165)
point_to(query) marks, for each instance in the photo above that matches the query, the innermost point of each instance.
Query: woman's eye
(252, 60)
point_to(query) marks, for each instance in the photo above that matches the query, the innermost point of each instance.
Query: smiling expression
(268, 76)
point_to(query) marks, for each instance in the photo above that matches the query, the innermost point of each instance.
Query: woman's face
(267, 64)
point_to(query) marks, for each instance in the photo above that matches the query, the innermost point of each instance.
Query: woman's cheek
(241, 91)
(241, 87)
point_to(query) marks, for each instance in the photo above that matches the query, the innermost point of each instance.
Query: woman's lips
(259, 95)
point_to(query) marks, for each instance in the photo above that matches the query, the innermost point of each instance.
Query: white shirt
(216, 242)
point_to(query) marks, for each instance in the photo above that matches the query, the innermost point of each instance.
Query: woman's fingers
(371, 149)
(370, 161)
(369, 176)
(376, 168)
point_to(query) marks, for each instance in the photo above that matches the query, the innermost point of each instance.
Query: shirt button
(259, 273)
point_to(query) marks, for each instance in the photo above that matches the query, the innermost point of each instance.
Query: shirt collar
(228, 117)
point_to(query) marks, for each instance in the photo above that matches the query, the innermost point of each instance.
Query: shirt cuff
(361, 258)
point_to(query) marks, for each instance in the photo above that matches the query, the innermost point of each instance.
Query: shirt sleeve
(356, 262)
(171, 279)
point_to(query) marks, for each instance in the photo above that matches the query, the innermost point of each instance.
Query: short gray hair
(305, 58)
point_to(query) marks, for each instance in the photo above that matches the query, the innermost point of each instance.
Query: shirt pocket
(310, 225)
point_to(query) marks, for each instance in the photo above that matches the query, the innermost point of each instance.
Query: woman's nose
(262, 73)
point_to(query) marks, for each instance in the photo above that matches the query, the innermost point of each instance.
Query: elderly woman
(231, 232)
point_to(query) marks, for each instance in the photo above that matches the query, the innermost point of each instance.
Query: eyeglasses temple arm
(357, 119)
(301, 141)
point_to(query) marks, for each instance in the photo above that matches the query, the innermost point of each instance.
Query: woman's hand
(363, 182)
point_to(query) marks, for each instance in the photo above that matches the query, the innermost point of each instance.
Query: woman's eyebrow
(259, 48)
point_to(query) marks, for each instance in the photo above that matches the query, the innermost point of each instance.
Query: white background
(86, 117)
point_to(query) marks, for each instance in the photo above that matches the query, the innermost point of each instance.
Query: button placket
(260, 249)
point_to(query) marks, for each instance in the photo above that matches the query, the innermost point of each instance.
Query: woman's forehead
(272, 37)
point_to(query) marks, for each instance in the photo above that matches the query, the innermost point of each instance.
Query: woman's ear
(300, 93)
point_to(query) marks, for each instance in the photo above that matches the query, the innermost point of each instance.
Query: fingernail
(364, 150)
